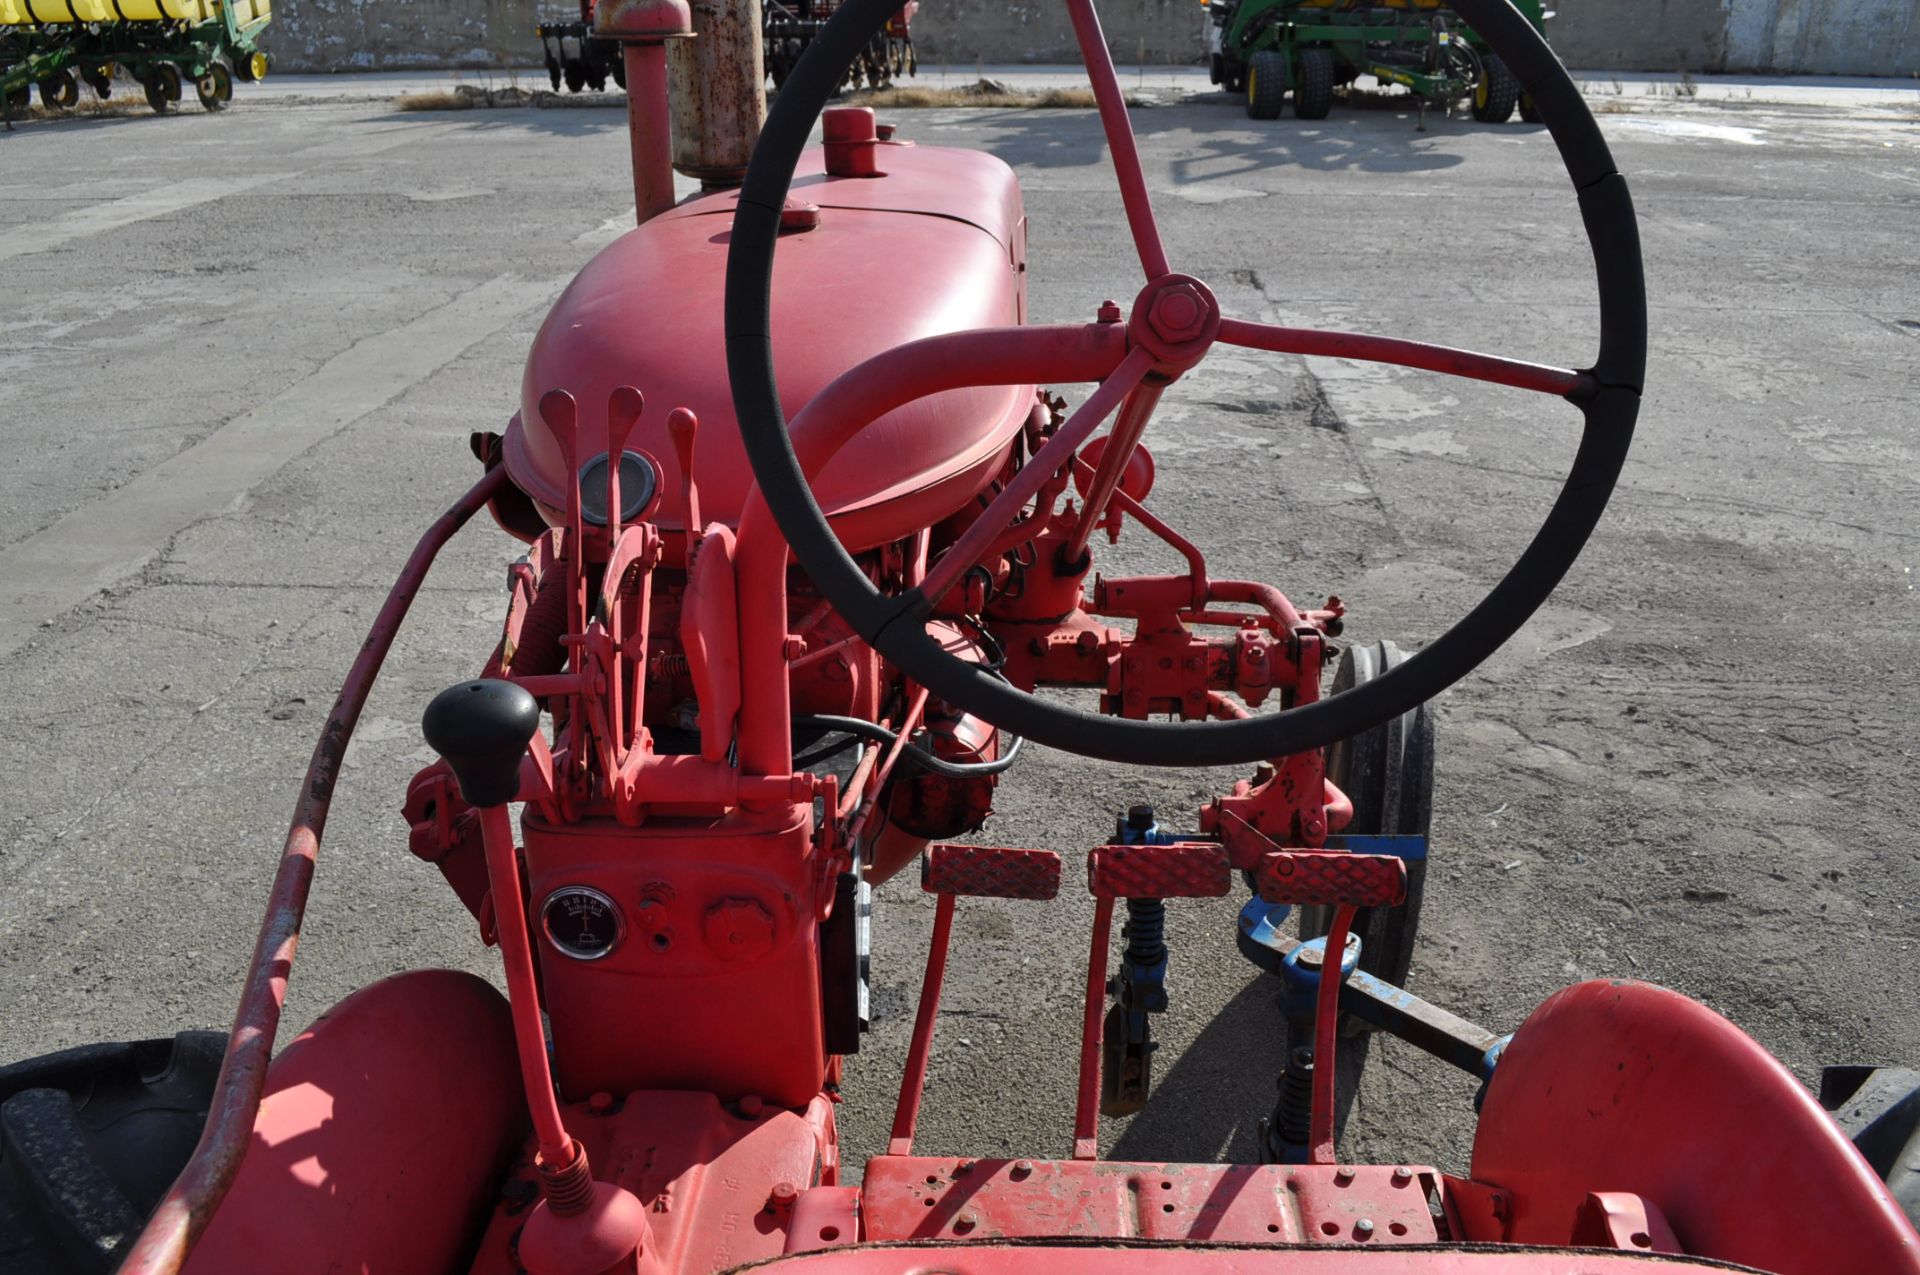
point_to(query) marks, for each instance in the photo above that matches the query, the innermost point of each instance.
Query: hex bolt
(600, 1103)
(1343, 1176)
(1363, 1229)
(1109, 312)
(1179, 313)
(1402, 1175)
(965, 1222)
(1022, 1169)
(784, 1194)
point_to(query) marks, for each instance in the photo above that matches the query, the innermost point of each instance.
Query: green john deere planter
(57, 45)
(1270, 49)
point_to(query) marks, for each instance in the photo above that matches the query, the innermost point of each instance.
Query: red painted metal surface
(1004, 356)
(1184, 870)
(183, 1214)
(646, 312)
(943, 1198)
(706, 1171)
(991, 872)
(1092, 1258)
(1417, 354)
(1627, 1087)
(1086, 1111)
(1326, 1040)
(721, 931)
(648, 128)
(913, 1077)
(381, 1137)
(516, 953)
(1332, 877)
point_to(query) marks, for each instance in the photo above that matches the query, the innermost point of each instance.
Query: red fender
(1627, 1087)
(384, 1131)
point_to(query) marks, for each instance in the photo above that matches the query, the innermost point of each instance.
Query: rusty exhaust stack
(718, 84)
(643, 28)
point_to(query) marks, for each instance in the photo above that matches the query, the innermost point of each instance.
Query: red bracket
(1330, 878)
(994, 872)
(1184, 870)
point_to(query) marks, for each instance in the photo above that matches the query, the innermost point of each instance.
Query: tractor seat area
(934, 244)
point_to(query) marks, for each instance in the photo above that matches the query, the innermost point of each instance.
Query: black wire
(923, 758)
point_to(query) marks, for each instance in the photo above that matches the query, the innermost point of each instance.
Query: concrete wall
(1809, 37)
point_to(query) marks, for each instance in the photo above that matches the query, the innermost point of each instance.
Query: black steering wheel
(1175, 320)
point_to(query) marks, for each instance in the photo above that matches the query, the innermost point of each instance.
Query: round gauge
(581, 922)
(639, 484)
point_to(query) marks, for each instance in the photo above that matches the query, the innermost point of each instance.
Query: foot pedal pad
(1183, 870)
(1329, 878)
(990, 872)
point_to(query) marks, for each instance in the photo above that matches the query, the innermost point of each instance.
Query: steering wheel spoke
(1056, 455)
(1120, 140)
(1365, 347)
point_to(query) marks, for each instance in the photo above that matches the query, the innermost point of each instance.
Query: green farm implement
(55, 46)
(1267, 49)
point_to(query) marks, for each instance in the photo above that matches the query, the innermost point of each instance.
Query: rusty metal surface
(717, 89)
(925, 1197)
(1185, 870)
(994, 872)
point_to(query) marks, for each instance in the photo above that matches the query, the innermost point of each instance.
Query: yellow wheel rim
(1480, 92)
(257, 63)
(1250, 88)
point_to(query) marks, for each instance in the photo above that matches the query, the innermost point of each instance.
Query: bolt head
(1109, 312)
(1179, 313)
(785, 1192)
(1343, 1175)
(1363, 1229)
(1402, 1175)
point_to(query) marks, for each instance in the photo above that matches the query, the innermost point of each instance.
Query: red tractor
(775, 636)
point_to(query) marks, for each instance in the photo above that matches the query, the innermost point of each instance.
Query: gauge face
(581, 922)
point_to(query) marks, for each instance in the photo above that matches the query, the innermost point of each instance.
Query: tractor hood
(935, 244)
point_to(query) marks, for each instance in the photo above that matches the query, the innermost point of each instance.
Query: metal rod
(1121, 442)
(1023, 486)
(650, 129)
(1326, 1036)
(1386, 349)
(913, 1082)
(1086, 1115)
(523, 993)
(1120, 142)
(183, 1214)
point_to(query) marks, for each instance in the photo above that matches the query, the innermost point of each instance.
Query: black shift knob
(482, 729)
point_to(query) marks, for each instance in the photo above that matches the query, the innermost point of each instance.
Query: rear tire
(90, 1140)
(1496, 93)
(1313, 98)
(1387, 773)
(1266, 85)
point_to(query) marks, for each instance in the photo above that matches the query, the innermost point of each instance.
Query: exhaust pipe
(643, 28)
(718, 84)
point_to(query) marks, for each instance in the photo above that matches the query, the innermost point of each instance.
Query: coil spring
(1146, 931)
(1293, 1116)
